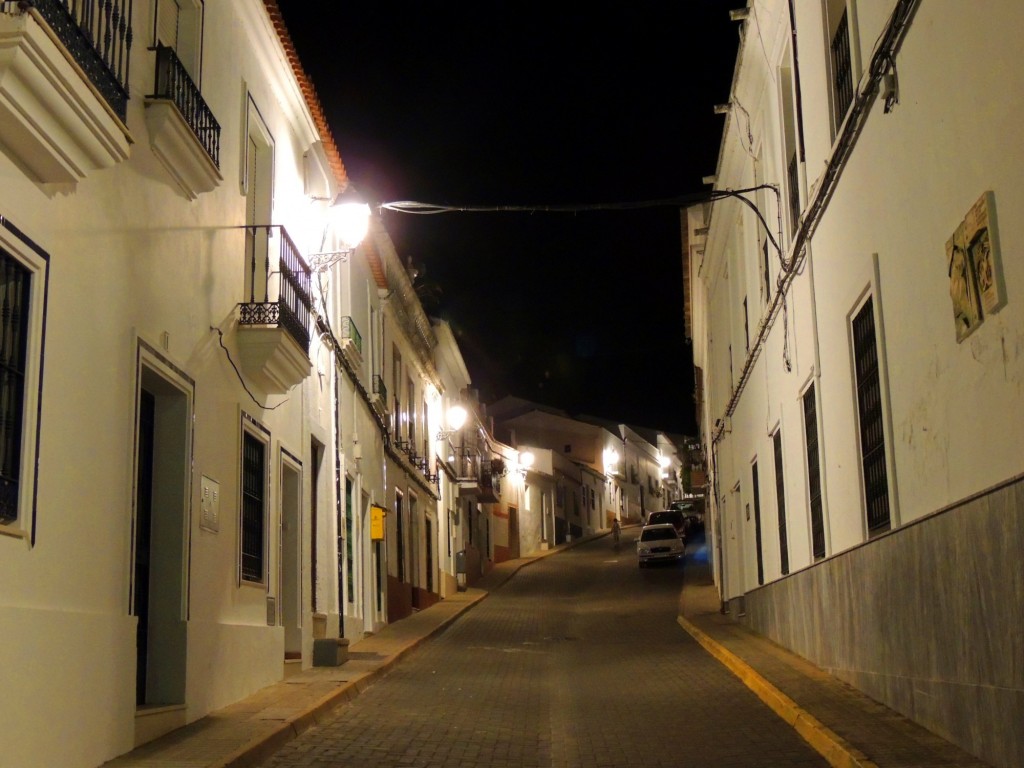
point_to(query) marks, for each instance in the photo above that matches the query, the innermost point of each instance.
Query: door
(513, 533)
(159, 567)
(291, 572)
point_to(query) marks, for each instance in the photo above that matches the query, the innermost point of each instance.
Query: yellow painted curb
(825, 742)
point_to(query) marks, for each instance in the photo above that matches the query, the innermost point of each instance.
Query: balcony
(351, 342)
(183, 132)
(478, 478)
(273, 325)
(379, 396)
(64, 85)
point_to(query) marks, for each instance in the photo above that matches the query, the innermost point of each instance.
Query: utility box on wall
(209, 504)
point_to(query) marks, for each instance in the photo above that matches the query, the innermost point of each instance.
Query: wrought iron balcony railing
(174, 84)
(97, 35)
(351, 332)
(793, 180)
(292, 306)
(379, 388)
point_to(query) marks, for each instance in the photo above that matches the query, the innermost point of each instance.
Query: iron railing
(351, 332)
(294, 303)
(97, 35)
(174, 84)
(793, 180)
(379, 388)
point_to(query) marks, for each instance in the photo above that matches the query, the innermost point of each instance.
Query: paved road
(577, 661)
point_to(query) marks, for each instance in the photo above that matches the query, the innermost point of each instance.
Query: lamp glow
(526, 458)
(457, 416)
(611, 458)
(350, 216)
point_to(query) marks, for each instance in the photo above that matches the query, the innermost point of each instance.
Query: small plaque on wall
(975, 269)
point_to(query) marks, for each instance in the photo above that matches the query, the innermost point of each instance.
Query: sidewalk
(845, 726)
(249, 731)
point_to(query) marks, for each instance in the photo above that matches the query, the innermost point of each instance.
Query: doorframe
(290, 463)
(151, 362)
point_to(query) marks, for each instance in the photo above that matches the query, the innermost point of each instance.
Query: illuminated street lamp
(348, 221)
(456, 418)
(611, 459)
(350, 216)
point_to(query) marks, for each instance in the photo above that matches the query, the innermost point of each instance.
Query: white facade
(198, 427)
(857, 434)
(631, 471)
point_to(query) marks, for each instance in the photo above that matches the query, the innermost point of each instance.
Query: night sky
(537, 104)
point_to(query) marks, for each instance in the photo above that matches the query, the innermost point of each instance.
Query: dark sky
(534, 103)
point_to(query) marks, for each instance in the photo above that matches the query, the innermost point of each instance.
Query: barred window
(780, 494)
(254, 463)
(814, 474)
(842, 66)
(869, 412)
(15, 287)
(757, 524)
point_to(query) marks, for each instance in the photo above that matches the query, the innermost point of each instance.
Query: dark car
(693, 514)
(673, 516)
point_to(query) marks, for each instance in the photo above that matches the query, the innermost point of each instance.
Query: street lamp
(526, 459)
(611, 459)
(456, 418)
(348, 221)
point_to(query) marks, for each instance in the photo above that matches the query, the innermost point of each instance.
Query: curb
(262, 747)
(836, 750)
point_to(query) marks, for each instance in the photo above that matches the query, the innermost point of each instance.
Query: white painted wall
(954, 410)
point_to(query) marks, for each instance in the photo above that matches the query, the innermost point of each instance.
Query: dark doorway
(159, 568)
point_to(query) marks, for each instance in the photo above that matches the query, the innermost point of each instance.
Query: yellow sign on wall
(377, 523)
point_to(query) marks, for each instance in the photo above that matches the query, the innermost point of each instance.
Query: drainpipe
(338, 493)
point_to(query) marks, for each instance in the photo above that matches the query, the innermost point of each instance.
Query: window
(789, 142)
(15, 286)
(814, 474)
(746, 325)
(396, 383)
(780, 493)
(400, 536)
(757, 524)
(23, 279)
(869, 412)
(257, 185)
(350, 576)
(410, 415)
(840, 60)
(762, 203)
(253, 538)
(179, 25)
(424, 429)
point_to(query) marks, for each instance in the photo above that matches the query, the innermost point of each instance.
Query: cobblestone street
(577, 661)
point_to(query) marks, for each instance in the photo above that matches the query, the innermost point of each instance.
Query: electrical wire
(883, 58)
(681, 201)
(220, 339)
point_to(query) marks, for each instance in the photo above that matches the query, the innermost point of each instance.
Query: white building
(197, 432)
(413, 530)
(858, 347)
(451, 416)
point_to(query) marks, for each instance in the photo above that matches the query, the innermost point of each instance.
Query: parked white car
(658, 543)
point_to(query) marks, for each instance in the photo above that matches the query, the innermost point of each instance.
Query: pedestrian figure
(616, 529)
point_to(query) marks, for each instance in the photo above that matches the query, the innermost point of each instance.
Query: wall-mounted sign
(975, 268)
(377, 523)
